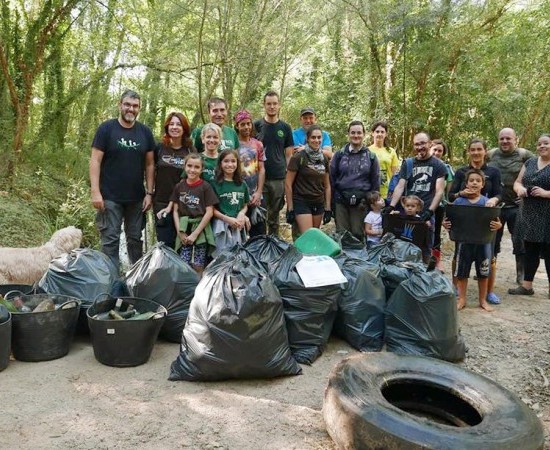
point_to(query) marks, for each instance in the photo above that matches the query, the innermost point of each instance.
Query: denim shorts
(303, 207)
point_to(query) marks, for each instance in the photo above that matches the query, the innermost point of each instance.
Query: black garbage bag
(309, 312)
(391, 247)
(235, 327)
(266, 249)
(350, 245)
(162, 276)
(83, 273)
(422, 319)
(393, 272)
(361, 304)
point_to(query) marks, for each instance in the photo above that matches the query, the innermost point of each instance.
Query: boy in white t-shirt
(373, 220)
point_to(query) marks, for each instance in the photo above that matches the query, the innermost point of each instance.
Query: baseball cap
(307, 111)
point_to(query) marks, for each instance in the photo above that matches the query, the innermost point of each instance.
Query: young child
(211, 135)
(194, 201)
(412, 205)
(373, 220)
(230, 222)
(467, 253)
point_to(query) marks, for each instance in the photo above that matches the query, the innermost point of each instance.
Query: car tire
(387, 401)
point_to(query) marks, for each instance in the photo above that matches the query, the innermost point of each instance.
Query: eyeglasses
(130, 106)
(420, 144)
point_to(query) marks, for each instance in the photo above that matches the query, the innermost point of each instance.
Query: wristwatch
(148, 193)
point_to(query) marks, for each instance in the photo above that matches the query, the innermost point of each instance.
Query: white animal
(28, 265)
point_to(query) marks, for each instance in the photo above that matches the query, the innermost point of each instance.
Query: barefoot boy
(468, 253)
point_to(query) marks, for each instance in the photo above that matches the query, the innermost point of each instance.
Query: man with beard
(276, 136)
(122, 151)
(426, 179)
(509, 160)
(217, 110)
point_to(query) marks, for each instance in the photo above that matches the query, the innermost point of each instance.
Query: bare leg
(462, 285)
(482, 286)
(304, 221)
(316, 220)
(492, 276)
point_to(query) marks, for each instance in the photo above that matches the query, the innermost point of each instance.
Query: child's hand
(256, 199)
(162, 212)
(446, 224)
(190, 240)
(233, 222)
(247, 223)
(495, 224)
(241, 219)
(183, 236)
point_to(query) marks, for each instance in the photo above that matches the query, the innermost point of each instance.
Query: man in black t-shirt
(276, 136)
(122, 151)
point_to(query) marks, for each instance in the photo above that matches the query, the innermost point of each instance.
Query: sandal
(493, 298)
(520, 290)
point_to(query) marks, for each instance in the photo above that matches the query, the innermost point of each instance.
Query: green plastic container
(316, 242)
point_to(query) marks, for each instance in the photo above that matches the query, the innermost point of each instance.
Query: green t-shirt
(209, 169)
(230, 139)
(232, 197)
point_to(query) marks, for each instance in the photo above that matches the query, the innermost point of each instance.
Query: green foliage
(21, 225)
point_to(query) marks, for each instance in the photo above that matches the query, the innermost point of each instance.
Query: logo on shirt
(171, 160)
(127, 144)
(281, 133)
(233, 198)
(422, 183)
(189, 200)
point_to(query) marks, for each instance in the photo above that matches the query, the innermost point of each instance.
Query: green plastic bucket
(316, 242)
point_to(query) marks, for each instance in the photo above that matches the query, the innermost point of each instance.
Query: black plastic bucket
(5, 343)
(470, 224)
(124, 343)
(24, 288)
(46, 335)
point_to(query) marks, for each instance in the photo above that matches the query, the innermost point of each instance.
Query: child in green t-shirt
(230, 221)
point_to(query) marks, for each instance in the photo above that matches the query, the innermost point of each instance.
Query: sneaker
(493, 298)
(520, 290)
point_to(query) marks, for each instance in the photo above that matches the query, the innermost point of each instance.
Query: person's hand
(233, 222)
(256, 199)
(183, 236)
(387, 209)
(241, 219)
(522, 192)
(97, 201)
(147, 203)
(163, 213)
(327, 216)
(537, 191)
(492, 202)
(247, 223)
(446, 224)
(495, 224)
(298, 148)
(190, 240)
(466, 193)
(290, 217)
(426, 215)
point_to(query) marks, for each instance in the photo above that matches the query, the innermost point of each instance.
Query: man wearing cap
(307, 119)
(217, 110)
(122, 153)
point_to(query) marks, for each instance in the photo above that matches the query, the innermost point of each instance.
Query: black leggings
(439, 215)
(533, 252)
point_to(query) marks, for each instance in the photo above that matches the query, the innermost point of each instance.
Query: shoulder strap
(409, 162)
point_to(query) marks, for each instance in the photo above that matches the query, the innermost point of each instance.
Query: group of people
(218, 184)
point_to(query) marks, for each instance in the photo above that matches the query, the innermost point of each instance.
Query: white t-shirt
(375, 221)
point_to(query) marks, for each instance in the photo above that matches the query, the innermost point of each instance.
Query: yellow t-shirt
(387, 157)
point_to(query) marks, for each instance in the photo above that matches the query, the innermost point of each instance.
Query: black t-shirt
(169, 164)
(123, 164)
(422, 182)
(275, 137)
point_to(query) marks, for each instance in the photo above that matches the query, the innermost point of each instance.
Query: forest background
(458, 69)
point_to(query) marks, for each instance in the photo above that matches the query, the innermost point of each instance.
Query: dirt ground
(76, 402)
